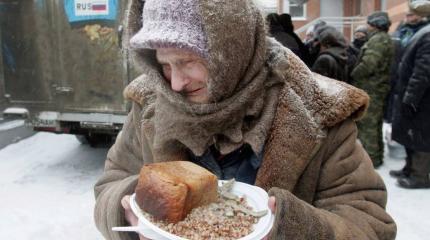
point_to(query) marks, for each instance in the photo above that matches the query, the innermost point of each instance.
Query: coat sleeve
(369, 62)
(420, 80)
(119, 178)
(350, 197)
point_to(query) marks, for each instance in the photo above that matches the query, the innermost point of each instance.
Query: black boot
(412, 182)
(399, 173)
(406, 170)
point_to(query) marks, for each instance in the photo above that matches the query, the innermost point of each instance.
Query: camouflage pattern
(372, 75)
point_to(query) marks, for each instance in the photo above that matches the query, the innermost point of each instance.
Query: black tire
(96, 139)
(82, 139)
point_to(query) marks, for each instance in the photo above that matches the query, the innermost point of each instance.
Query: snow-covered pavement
(46, 188)
(46, 192)
(409, 208)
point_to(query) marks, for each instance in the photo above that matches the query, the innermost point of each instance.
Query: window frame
(301, 18)
(287, 9)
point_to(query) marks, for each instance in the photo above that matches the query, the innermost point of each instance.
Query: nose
(178, 80)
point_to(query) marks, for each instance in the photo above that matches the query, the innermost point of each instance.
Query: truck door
(63, 55)
(25, 71)
(87, 39)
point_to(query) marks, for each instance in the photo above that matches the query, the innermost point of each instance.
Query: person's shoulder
(326, 55)
(141, 90)
(381, 36)
(340, 100)
(379, 42)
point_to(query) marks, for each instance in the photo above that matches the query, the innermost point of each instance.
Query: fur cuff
(296, 219)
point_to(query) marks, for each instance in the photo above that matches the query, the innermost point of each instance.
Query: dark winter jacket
(411, 117)
(401, 38)
(352, 54)
(285, 39)
(286, 36)
(332, 63)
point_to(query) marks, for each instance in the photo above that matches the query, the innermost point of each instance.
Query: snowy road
(46, 192)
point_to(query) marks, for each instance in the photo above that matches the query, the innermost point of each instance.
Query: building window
(297, 11)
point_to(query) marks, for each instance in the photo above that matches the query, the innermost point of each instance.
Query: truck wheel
(95, 139)
(82, 139)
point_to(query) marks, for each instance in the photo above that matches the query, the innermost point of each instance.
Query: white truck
(63, 62)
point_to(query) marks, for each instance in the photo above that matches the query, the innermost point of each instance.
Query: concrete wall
(332, 8)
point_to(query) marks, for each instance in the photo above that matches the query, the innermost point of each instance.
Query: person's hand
(272, 207)
(129, 215)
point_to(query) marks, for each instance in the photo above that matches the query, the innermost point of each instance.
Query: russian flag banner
(91, 7)
(84, 10)
(99, 7)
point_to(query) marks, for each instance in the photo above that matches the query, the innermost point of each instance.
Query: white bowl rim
(264, 224)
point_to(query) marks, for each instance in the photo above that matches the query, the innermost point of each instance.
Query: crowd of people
(394, 71)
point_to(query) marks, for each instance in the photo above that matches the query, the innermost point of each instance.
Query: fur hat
(329, 36)
(164, 25)
(362, 29)
(420, 7)
(379, 20)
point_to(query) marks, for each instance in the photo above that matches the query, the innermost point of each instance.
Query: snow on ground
(11, 124)
(46, 191)
(409, 208)
(46, 186)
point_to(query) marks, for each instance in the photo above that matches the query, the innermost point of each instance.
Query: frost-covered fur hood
(320, 102)
(233, 48)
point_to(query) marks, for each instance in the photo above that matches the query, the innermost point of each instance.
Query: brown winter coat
(323, 180)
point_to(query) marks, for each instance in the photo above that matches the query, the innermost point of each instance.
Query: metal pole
(280, 6)
(2, 80)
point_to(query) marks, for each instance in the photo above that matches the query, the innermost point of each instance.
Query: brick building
(345, 14)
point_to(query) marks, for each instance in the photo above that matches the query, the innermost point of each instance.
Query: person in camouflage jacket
(371, 74)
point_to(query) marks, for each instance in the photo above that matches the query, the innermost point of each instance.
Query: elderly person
(216, 91)
(372, 74)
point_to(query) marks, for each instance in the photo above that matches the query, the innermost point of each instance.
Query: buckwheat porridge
(228, 218)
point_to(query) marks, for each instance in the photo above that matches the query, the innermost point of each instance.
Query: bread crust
(170, 190)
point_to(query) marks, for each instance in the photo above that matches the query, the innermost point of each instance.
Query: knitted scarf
(243, 89)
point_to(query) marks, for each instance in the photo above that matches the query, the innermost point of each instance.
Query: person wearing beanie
(277, 31)
(287, 23)
(312, 45)
(411, 107)
(332, 59)
(353, 50)
(372, 74)
(217, 91)
(360, 37)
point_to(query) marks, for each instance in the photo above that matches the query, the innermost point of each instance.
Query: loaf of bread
(170, 190)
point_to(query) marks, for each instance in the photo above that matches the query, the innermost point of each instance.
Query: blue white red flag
(84, 10)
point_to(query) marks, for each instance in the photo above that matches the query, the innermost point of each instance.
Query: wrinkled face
(186, 72)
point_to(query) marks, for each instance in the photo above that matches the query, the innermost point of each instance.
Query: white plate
(256, 197)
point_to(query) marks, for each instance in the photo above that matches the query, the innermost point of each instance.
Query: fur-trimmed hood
(327, 101)
(320, 102)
